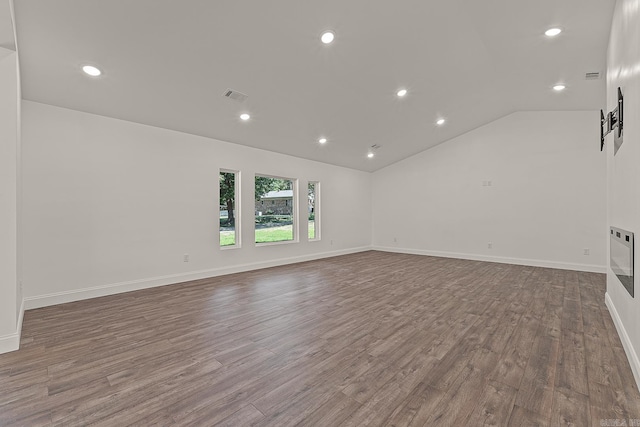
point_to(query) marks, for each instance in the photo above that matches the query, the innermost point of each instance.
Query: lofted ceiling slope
(167, 63)
(7, 38)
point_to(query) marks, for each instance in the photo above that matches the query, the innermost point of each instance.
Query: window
(313, 211)
(275, 221)
(229, 208)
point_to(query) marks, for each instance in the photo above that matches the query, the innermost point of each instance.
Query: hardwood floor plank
(455, 360)
(417, 407)
(571, 372)
(521, 417)
(366, 385)
(459, 400)
(536, 388)
(333, 412)
(247, 416)
(379, 407)
(606, 403)
(513, 361)
(494, 405)
(371, 338)
(570, 409)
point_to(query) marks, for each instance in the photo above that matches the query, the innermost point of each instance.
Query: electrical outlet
(395, 240)
(490, 245)
(586, 251)
(186, 258)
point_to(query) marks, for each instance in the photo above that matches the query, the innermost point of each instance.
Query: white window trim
(316, 212)
(295, 225)
(238, 213)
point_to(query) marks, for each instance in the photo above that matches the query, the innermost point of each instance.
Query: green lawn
(265, 235)
(274, 234)
(227, 238)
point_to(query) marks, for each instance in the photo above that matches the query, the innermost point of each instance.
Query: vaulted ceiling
(7, 39)
(167, 63)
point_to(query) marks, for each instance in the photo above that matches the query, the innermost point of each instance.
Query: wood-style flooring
(365, 339)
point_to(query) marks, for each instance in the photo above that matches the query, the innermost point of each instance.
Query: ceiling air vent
(235, 95)
(592, 76)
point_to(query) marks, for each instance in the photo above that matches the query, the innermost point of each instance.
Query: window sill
(228, 247)
(284, 242)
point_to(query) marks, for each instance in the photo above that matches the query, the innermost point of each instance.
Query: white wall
(111, 205)
(545, 205)
(623, 169)
(9, 157)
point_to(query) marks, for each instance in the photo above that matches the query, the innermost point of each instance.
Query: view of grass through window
(312, 195)
(228, 208)
(274, 213)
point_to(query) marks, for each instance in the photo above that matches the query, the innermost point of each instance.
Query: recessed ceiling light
(558, 88)
(91, 70)
(402, 92)
(370, 155)
(552, 32)
(245, 117)
(322, 140)
(327, 37)
(440, 122)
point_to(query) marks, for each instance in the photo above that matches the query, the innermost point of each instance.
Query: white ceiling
(7, 39)
(167, 63)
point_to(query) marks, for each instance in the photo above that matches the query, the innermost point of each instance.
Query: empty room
(330, 213)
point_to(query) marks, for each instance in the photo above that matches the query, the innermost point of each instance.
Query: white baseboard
(624, 337)
(503, 260)
(11, 342)
(134, 285)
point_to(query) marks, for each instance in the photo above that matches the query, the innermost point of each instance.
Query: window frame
(316, 212)
(237, 209)
(294, 205)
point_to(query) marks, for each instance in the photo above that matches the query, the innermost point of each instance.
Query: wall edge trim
(502, 260)
(46, 300)
(11, 342)
(632, 356)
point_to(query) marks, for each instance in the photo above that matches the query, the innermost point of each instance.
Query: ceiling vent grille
(235, 95)
(592, 76)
